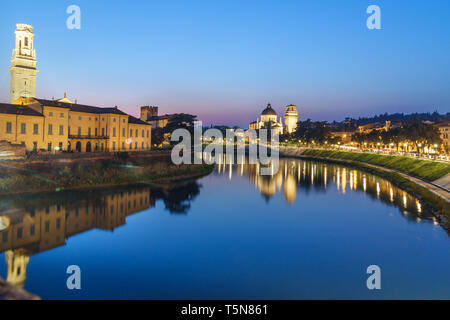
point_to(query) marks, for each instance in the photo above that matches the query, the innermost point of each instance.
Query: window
(90, 118)
(58, 223)
(123, 132)
(79, 117)
(114, 119)
(32, 230)
(26, 41)
(123, 120)
(89, 132)
(34, 145)
(5, 236)
(8, 127)
(143, 134)
(61, 114)
(50, 114)
(148, 133)
(114, 132)
(114, 146)
(135, 145)
(79, 131)
(23, 128)
(96, 131)
(68, 130)
(47, 226)
(103, 132)
(35, 128)
(123, 145)
(50, 129)
(103, 119)
(131, 133)
(60, 146)
(49, 147)
(19, 233)
(142, 144)
(137, 133)
(61, 130)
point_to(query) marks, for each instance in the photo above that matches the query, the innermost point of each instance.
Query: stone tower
(290, 118)
(23, 64)
(148, 111)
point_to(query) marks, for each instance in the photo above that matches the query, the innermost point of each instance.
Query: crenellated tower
(23, 64)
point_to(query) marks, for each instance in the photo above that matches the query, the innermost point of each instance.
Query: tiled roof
(18, 109)
(79, 107)
(132, 119)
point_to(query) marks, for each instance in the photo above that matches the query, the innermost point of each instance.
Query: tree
(157, 136)
(178, 121)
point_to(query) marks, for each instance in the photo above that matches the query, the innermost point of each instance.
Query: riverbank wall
(66, 174)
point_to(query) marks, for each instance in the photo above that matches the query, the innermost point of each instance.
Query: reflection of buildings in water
(38, 228)
(294, 174)
(45, 224)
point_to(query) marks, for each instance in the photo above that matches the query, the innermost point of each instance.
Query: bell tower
(23, 64)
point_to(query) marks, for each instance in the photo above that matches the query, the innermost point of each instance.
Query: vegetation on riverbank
(425, 169)
(42, 177)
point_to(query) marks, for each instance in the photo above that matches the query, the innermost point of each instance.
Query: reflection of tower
(23, 64)
(290, 188)
(290, 118)
(17, 267)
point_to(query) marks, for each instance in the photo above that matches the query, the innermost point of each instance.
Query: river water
(307, 232)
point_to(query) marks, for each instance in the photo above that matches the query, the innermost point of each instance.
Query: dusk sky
(225, 60)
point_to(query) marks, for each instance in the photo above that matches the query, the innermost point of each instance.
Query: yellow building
(61, 125)
(444, 132)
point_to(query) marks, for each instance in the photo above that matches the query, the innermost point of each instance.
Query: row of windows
(32, 230)
(23, 130)
(90, 118)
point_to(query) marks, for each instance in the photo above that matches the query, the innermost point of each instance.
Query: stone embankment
(9, 292)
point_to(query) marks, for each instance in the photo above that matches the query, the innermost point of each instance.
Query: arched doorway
(78, 146)
(88, 146)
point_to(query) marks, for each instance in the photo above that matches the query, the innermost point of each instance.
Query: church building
(269, 119)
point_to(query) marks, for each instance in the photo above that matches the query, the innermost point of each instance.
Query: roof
(153, 118)
(79, 107)
(268, 111)
(132, 119)
(445, 123)
(18, 109)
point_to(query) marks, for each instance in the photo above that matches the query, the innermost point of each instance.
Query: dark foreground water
(309, 231)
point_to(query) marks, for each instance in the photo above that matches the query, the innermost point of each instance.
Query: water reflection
(36, 223)
(295, 174)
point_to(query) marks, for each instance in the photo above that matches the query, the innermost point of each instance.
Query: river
(308, 232)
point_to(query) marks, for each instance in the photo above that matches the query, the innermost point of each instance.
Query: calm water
(310, 231)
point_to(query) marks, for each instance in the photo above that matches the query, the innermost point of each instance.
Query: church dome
(268, 111)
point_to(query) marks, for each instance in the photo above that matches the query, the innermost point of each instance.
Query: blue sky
(224, 60)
